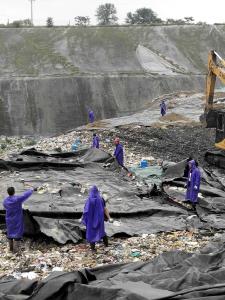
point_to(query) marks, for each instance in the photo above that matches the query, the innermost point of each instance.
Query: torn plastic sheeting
(216, 157)
(171, 275)
(84, 155)
(62, 194)
(162, 218)
(212, 211)
(150, 175)
(174, 170)
(173, 175)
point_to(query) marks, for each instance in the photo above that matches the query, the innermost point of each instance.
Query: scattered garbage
(40, 258)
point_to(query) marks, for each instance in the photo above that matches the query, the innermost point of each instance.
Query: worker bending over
(118, 153)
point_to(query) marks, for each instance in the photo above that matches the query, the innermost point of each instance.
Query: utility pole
(31, 12)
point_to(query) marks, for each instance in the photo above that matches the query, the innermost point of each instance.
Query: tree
(106, 14)
(82, 21)
(20, 23)
(27, 23)
(143, 16)
(175, 21)
(189, 20)
(49, 22)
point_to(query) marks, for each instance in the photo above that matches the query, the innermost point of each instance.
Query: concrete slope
(49, 76)
(51, 51)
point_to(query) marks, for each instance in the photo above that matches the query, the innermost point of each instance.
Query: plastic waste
(144, 163)
(57, 269)
(76, 145)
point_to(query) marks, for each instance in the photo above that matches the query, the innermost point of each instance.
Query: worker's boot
(194, 206)
(16, 246)
(93, 247)
(11, 245)
(105, 241)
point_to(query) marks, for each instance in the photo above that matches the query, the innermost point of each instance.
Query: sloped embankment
(50, 76)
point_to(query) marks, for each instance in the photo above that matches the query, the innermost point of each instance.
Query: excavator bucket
(220, 145)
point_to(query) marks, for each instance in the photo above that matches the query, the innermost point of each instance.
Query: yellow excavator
(215, 114)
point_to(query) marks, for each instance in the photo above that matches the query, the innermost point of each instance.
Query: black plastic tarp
(65, 179)
(172, 275)
(211, 207)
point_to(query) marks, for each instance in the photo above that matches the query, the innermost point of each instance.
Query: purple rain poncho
(14, 214)
(93, 216)
(118, 153)
(193, 183)
(163, 108)
(91, 116)
(95, 143)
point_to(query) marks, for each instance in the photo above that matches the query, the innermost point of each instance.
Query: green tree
(106, 14)
(82, 21)
(143, 16)
(49, 22)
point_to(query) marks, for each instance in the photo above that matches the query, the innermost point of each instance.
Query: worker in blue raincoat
(118, 153)
(95, 142)
(193, 183)
(93, 218)
(14, 216)
(163, 108)
(91, 116)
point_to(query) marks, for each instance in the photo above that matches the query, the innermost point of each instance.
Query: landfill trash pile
(174, 274)
(64, 180)
(41, 257)
(146, 225)
(139, 141)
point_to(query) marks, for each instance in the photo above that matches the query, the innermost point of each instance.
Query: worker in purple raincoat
(95, 142)
(14, 216)
(193, 183)
(91, 116)
(93, 218)
(163, 108)
(118, 153)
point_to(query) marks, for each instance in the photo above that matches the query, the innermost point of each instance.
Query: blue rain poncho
(193, 183)
(14, 214)
(91, 116)
(163, 108)
(95, 142)
(93, 216)
(118, 153)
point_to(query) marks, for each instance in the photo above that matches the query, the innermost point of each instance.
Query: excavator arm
(216, 67)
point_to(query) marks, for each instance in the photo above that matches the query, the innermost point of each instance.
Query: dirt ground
(173, 143)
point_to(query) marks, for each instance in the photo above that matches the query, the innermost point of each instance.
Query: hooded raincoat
(163, 108)
(193, 183)
(93, 216)
(91, 116)
(14, 214)
(118, 153)
(95, 143)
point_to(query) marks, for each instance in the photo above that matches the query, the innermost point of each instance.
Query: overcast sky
(64, 11)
